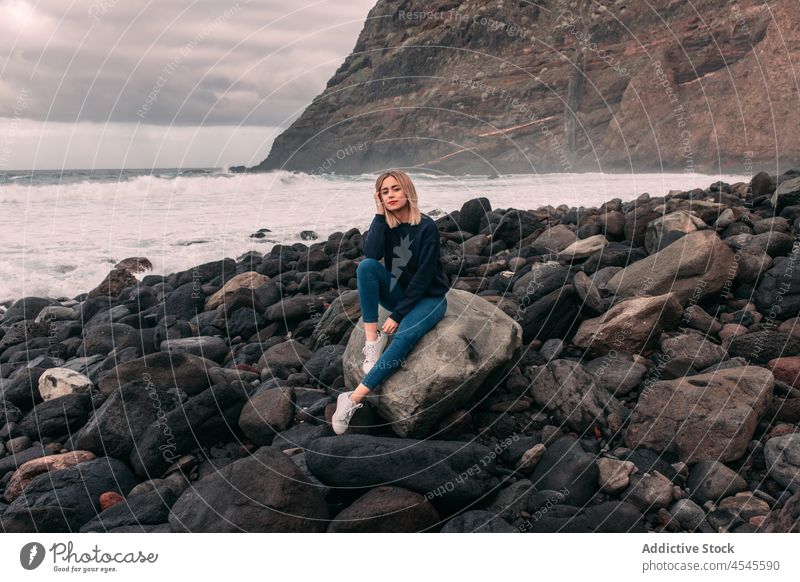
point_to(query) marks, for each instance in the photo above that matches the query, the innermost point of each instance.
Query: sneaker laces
(370, 349)
(352, 410)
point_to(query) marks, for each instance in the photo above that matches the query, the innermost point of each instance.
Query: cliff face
(480, 87)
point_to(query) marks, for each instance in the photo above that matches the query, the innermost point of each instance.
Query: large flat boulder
(566, 390)
(450, 472)
(445, 368)
(165, 370)
(265, 492)
(630, 326)
(583, 248)
(695, 265)
(705, 417)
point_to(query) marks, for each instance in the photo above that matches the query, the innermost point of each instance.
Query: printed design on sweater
(402, 255)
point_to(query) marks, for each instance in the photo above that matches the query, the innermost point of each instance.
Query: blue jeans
(375, 286)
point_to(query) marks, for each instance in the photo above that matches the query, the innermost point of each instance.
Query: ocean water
(61, 231)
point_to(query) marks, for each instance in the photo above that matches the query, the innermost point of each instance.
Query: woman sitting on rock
(412, 285)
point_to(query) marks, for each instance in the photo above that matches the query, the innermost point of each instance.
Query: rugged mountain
(479, 87)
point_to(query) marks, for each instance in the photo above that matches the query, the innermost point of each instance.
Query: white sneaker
(345, 409)
(372, 351)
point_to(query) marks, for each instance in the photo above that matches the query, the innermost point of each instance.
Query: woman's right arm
(374, 241)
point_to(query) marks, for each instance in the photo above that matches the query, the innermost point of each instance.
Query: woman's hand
(390, 325)
(379, 207)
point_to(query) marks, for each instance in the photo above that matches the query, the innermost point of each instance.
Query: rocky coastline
(469, 88)
(628, 368)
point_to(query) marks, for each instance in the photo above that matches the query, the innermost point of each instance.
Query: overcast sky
(164, 83)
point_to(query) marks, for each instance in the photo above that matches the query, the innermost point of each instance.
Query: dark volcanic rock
(786, 519)
(762, 346)
(25, 308)
(477, 521)
(428, 467)
(568, 392)
(301, 435)
(786, 194)
(244, 322)
(568, 468)
(48, 519)
(289, 354)
(22, 332)
(265, 492)
(711, 481)
(22, 389)
(762, 184)
(149, 508)
(778, 294)
(202, 420)
(165, 370)
(55, 417)
(101, 339)
(387, 509)
(77, 488)
(542, 279)
(266, 413)
(554, 315)
(614, 255)
(337, 320)
(472, 212)
(184, 302)
(122, 419)
(13, 462)
(609, 517)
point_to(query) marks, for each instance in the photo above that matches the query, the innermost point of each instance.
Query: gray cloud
(171, 62)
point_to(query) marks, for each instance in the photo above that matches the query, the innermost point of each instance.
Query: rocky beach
(633, 367)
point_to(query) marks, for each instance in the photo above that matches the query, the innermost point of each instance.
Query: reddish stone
(110, 499)
(247, 368)
(28, 471)
(791, 326)
(786, 370)
(780, 430)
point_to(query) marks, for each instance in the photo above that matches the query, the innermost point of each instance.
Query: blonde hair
(408, 190)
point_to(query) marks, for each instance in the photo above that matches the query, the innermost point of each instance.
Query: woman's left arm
(426, 270)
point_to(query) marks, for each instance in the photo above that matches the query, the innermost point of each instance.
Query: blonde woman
(410, 283)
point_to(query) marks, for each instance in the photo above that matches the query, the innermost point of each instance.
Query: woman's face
(392, 194)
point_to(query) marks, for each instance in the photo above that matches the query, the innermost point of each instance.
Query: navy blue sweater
(412, 254)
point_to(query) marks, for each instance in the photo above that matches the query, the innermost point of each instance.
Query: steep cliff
(483, 87)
